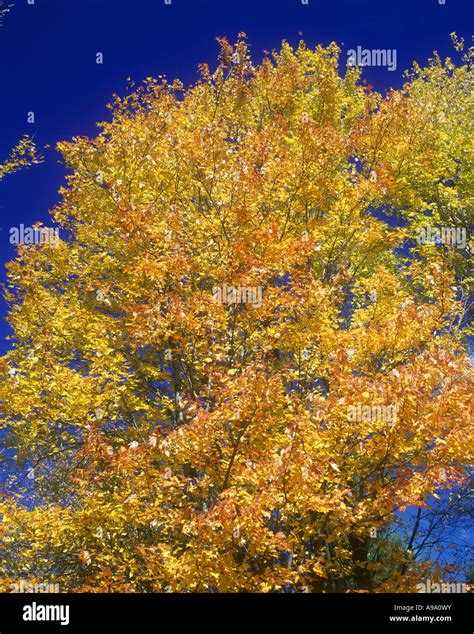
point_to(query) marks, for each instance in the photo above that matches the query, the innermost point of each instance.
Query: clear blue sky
(48, 64)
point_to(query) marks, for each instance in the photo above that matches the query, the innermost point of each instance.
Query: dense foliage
(195, 367)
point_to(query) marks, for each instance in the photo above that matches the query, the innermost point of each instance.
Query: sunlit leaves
(186, 442)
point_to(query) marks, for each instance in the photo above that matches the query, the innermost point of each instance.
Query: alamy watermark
(454, 236)
(238, 295)
(438, 588)
(372, 413)
(373, 57)
(22, 586)
(34, 235)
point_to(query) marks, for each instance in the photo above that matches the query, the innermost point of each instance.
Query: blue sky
(48, 64)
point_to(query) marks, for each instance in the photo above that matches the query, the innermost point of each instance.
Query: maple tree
(169, 441)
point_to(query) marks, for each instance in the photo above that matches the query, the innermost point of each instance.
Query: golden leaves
(198, 443)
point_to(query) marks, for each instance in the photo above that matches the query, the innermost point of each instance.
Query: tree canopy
(197, 392)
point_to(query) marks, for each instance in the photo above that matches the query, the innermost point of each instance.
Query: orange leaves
(205, 374)
(85, 557)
